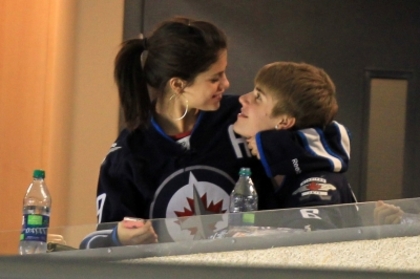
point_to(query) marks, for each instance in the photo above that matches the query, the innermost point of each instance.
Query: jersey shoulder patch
(317, 186)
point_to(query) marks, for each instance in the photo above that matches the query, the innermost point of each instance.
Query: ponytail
(132, 85)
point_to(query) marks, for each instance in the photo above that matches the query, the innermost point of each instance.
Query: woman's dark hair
(180, 47)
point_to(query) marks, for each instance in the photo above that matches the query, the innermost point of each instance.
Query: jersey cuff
(114, 237)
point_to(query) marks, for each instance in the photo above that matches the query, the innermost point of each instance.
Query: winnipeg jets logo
(205, 227)
(196, 199)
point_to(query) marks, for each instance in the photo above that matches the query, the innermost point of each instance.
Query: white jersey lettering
(236, 142)
(310, 213)
(100, 202)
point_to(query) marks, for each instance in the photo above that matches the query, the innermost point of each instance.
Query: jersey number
(310, 213)
(100, 201)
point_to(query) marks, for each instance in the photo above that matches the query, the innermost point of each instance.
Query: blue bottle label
(35, 227)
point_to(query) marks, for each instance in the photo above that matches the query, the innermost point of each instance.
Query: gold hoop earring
(186, 107)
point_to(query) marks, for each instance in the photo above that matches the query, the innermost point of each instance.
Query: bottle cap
(39, 174)
(245, 171)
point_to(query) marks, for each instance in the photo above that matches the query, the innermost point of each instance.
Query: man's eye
(257, 96)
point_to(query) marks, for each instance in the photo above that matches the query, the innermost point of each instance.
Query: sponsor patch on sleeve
(315, 186)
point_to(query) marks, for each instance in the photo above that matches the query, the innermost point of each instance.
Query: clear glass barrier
(244, 231)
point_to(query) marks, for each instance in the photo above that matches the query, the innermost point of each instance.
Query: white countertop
(396, 254)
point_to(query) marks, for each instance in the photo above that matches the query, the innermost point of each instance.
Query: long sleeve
(287, 152)
(104, 236)
(118, 195)
(312, 163)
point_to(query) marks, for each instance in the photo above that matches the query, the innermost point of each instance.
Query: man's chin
(238, 130)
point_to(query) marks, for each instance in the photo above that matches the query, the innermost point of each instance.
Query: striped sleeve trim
(315, 143)
(345, 137)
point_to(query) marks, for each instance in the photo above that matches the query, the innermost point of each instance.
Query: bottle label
(34, 227)
(248, 218)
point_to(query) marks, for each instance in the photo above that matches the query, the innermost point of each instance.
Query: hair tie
(144, 41)
(143, 55)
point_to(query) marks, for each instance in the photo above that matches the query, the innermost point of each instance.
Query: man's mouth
(243, 115)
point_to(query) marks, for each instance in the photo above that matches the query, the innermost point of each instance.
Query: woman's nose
(226, 82)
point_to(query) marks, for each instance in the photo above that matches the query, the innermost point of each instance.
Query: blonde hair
(300, 90)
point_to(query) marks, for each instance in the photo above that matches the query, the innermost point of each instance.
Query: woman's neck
(166, 118)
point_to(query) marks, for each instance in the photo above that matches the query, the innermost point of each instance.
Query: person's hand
(136, 231)
(252, 145)
(386, 214)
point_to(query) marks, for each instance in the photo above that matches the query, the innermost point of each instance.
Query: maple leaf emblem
(212, 208)
(313, 186)
(200, 226)
(184, 217)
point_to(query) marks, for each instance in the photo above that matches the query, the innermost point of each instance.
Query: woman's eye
(215, 79)
(257, 96)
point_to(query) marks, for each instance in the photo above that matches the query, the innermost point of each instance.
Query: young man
(300, 97)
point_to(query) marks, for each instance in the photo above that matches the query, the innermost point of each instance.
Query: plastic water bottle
(36, 216)
(244, 198)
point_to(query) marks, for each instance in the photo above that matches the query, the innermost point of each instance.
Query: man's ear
(177, 85)
(286, 122)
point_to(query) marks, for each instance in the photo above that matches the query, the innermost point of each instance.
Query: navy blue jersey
(311, 164)
(147, 174)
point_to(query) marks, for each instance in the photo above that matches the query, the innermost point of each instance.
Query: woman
(179, 147)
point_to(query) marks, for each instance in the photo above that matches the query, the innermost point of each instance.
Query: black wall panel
(343, 37)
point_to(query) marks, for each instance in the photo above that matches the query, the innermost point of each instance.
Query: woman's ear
(286, 122)
(177, 85)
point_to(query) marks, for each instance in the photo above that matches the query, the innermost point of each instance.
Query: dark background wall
(346, 38)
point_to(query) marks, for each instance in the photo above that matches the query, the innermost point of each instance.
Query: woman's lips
(218, 96)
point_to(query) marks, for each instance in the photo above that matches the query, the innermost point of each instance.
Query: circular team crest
(196, 199)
